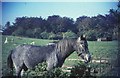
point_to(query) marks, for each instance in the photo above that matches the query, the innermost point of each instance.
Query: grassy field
(97, 49)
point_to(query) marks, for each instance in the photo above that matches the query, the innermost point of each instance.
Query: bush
(79, 70)
(45, 35)
(52, 35)
(19, 32)
(41, 72)
(56, 73)
(91, 35)
(69, 34)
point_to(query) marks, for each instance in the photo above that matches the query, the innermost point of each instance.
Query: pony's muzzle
(87, 58)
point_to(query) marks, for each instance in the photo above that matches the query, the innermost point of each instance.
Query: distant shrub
(69, 34)
(45, 35)
(51, 35)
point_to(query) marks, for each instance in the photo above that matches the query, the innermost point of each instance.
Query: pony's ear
(79, 38)
(83, 37)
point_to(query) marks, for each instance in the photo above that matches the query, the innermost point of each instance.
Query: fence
(99, 66)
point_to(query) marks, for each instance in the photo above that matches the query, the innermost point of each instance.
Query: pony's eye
(81, 43)
(83, 50)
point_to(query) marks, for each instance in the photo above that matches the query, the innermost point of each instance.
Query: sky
(11, 10)
(59, 0)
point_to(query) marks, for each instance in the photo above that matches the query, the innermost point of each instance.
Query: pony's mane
(64, 44)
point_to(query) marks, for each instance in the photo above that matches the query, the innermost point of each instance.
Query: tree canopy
(55, 26)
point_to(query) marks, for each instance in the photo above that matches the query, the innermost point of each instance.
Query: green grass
(97, 49)
(103, 49)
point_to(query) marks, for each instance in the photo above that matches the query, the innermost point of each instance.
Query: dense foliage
(79, 70)
(57, 27)
(41, 72)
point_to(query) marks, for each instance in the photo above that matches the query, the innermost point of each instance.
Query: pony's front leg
(49, 66)
(52, 62)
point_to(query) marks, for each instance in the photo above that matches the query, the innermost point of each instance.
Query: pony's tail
(10, 62)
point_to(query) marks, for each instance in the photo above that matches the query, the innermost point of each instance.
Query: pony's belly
(32, 62)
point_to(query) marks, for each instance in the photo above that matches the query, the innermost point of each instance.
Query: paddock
(107, 50)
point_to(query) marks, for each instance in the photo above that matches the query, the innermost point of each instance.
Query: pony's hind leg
(22, 72)
(24, 68)
(18, 71)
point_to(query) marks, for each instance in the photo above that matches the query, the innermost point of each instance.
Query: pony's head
(82, 49)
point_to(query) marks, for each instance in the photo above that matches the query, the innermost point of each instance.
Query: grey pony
(25, 57)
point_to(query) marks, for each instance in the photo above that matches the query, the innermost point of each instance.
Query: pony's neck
(65, 48)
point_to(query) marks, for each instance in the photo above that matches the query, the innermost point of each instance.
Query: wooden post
(100, 65)
(6, 40)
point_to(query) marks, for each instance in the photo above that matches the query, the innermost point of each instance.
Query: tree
(29, 33)
(116, 30)
(36, 27)
(60, 24)
(83, 25)
(91, 35)
(116, 14)
(7, 25)
(8, 29)
(54, 22)
(37, 32)
(52, 35)
(19, 32)
(69, 34)
(45, 35)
